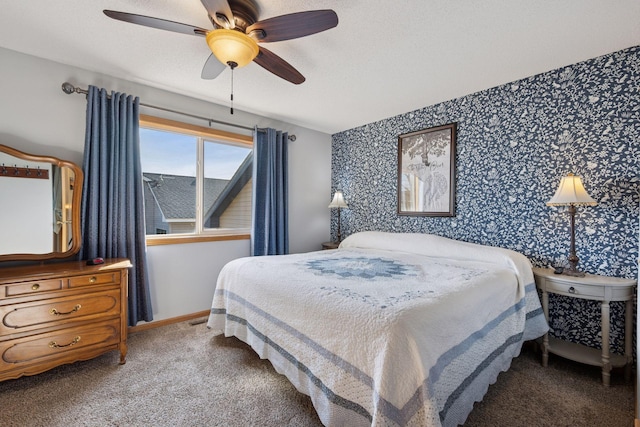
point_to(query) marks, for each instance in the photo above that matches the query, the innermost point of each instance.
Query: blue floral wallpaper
(514, 144)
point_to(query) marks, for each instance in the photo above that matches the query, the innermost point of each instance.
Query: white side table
(592, 287)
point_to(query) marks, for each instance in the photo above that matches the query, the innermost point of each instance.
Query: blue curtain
(270, 235)
(112, 199)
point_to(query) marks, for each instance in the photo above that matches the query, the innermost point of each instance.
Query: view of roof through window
(172, 183)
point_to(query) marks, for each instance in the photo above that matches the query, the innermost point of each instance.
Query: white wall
(37, 117)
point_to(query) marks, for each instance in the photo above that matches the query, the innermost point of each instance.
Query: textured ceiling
(384, 57)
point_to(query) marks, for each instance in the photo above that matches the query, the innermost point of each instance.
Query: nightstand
(592, 287)
(330, 245)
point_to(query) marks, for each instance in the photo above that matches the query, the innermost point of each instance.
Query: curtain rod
(68, 88)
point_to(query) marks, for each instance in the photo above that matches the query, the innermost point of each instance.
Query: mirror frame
(75, 209)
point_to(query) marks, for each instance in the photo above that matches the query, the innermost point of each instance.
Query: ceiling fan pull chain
(232, 65)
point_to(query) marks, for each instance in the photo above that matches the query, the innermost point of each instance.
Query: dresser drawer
(40, 348)
(584, 291)
(33, 287)
(62, 312)
(95, 279)
(40, 314)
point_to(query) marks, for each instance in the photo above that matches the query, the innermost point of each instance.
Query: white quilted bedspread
(390, 329)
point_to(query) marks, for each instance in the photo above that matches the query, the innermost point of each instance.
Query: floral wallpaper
(514, 144)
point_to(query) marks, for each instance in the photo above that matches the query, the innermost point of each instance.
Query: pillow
(442, 247)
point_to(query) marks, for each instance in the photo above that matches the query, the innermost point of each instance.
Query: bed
(388, 329)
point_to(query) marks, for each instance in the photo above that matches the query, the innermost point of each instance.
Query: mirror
(40, 210)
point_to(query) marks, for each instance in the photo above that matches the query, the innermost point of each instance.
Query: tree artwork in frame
(426, 172)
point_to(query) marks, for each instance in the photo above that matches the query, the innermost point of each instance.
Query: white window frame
(203, 134)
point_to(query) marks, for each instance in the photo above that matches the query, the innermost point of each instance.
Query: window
(196, 180)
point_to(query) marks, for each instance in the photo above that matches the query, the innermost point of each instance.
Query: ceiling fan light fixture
(232, 46)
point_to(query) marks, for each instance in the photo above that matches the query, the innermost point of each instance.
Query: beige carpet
(179, 375)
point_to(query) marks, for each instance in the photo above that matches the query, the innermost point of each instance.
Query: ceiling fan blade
(220, 12)
(212, 68)
(278, 66)
(162, 24)
(293, 25)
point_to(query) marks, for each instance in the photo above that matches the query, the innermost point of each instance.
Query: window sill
(182, 239)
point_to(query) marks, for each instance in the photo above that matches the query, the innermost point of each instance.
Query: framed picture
(426, 172)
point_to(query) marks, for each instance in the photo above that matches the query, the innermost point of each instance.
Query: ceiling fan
(237, 32)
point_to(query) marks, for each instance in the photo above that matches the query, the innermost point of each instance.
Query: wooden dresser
(61, 313)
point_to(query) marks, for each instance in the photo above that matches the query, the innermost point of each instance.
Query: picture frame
(426, 172)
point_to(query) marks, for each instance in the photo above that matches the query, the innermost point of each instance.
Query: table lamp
(571, 193)
(338, 202)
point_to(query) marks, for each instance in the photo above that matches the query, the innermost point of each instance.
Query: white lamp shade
(338, 201)
(571, 192)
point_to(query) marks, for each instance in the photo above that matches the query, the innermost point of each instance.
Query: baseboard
(165, 322)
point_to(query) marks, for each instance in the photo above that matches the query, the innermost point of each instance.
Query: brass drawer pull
(572, 290)
(59, 313)
(35, 286)
(93, 279)
(54, 344)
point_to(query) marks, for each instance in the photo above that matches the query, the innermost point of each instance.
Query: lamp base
(572, 268)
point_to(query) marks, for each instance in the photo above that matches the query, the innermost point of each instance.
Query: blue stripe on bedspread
(531, 292)
(454, 352)
(536, 324)
(330, 356)
(399, 415)
(331, 396)
(486, 363)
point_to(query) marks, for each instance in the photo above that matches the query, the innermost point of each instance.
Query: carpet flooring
(180, 375)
